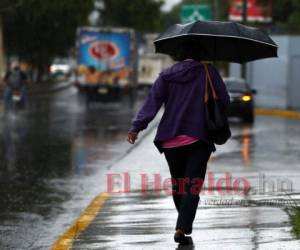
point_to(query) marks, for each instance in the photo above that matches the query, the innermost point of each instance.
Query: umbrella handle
(209, 80)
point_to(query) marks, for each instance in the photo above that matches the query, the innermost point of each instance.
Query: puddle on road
(47, 156)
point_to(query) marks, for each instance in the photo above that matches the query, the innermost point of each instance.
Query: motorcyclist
(15, 79)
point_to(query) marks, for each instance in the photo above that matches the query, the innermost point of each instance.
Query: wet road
(48, 156)
(54, 161)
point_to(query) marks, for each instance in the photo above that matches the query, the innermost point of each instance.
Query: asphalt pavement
(49, 156)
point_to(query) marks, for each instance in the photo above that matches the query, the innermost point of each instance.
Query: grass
(296, 222)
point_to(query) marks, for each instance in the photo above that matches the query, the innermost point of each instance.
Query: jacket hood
(182, 72)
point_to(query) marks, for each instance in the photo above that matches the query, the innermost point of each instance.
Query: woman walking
(182, 134)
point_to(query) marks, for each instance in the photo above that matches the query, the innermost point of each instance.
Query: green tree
(37, 31)
(294, 18)
(286, 15)
(142, 15)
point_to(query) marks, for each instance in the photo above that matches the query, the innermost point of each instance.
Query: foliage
(286, 14)
(142, 15)
(36, 30)
(296, 222)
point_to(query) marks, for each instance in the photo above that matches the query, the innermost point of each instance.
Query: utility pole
(244, 21)
(216, 9)
(2, 56)
(245, 11)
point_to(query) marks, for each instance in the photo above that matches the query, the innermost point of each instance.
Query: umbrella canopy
(215, 41)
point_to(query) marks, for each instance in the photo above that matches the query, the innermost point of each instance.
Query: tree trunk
(2, 55)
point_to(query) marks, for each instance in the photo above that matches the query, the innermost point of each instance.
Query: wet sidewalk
(234, 220)
(136, 221)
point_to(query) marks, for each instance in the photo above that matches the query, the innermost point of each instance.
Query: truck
(111, 54)
(150, 63)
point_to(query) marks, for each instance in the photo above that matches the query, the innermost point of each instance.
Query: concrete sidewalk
(243, 220)
(136, 221)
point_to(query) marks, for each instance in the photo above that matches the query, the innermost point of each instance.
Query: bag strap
(208, 80)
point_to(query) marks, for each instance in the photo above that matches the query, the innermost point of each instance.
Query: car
(241, 99)
(60, 66)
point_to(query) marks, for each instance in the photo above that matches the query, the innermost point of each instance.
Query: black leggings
(187, 166)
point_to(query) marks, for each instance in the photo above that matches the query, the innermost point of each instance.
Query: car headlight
(246, 98)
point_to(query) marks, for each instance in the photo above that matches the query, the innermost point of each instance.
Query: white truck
(150, 64)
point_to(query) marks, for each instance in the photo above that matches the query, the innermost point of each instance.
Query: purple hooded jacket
(181, 89)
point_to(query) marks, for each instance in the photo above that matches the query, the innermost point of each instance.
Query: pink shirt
(178, 141)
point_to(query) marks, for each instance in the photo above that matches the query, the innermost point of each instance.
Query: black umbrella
(215, 41)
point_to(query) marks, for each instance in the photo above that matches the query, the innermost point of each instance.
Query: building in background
(277, 80)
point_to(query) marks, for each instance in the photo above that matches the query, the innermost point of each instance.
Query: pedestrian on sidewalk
(182, 134)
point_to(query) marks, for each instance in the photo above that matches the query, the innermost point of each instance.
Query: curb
(65, 241)
(278, 112)
(51, 90)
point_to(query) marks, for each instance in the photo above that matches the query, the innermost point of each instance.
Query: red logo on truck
(104, 50)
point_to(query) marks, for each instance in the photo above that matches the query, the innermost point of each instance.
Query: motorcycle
(17, 96)
(17, 100)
